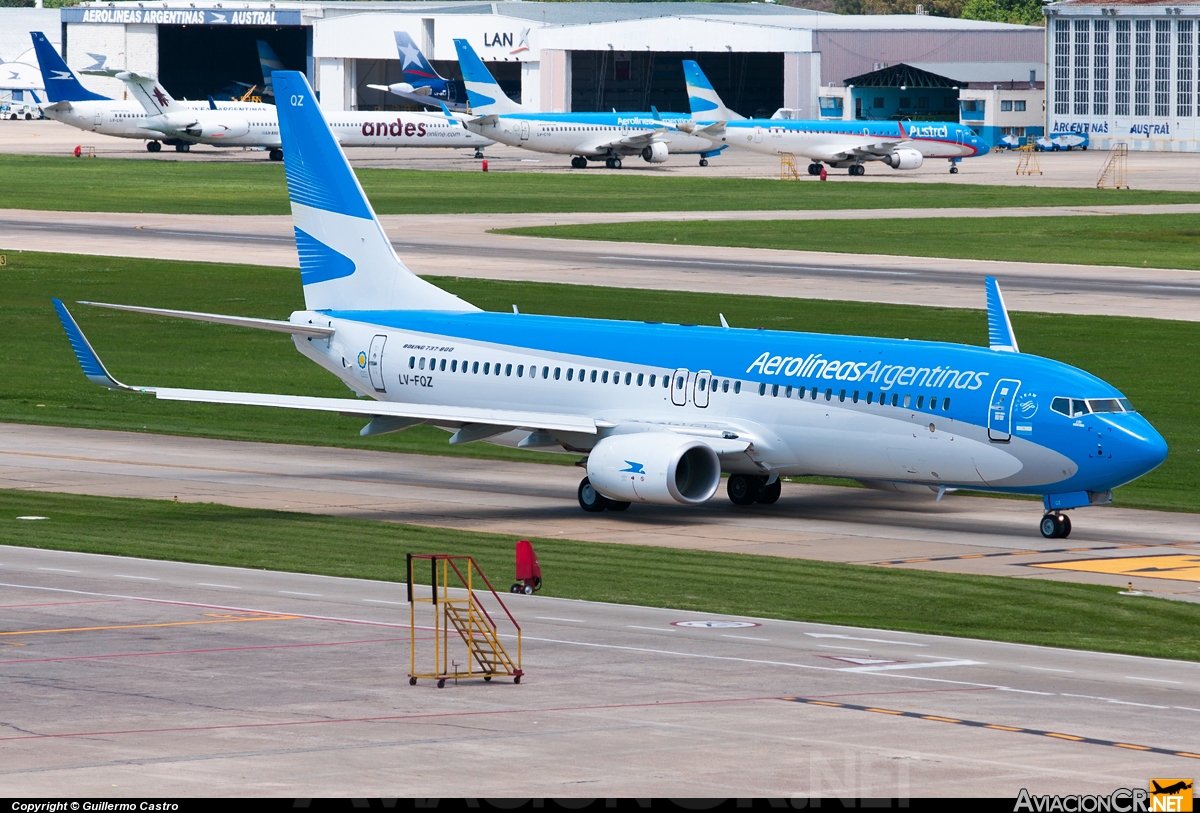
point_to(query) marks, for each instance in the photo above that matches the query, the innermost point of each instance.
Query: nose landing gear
(1055, 526)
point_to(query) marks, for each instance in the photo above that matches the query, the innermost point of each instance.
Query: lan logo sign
(1170, 795)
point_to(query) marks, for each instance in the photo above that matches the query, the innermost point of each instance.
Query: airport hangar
(552, 56)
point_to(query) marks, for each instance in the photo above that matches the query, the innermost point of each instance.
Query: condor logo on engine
(634, 468)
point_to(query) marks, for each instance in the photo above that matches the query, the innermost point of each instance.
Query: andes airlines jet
(660, 411)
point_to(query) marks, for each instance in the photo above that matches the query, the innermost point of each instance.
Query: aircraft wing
(844, 151)
(58, 107)
(714, 129)
(632, 143)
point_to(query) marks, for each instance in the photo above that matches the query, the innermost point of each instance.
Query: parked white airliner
(660, 411)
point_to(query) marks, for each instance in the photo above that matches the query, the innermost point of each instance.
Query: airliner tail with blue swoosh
(659, 412)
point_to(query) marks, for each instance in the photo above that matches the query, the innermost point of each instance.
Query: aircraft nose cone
(1147, 449)
(1154, 448)
(980, 145)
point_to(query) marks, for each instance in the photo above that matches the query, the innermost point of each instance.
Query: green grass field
(1028, 611)
(122, 185)
(1154, 362)
(1158, 241)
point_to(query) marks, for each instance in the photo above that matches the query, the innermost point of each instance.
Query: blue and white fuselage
(660, 411)
(845, 144)
(586, 136)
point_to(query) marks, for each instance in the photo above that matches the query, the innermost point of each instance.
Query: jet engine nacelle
(218, 127)
(655, 153)
(654, 467)
(904, 158)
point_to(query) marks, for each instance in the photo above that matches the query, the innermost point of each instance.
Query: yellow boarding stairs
(486, 657)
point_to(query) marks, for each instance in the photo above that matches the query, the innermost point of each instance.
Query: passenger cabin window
(762, 389)
(640, 379)
(521, 371)
(412, 362)
(724, 386)
(487, 365)
(594, 376)
(443, 367)
(475, 367)
(507, 369)
(603, 378)
(737, 387)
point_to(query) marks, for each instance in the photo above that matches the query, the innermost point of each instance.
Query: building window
(1099, 67)
(877, 102)
(1121, 87)
(905, 101)
(923, 102)
(1083, 60)
(1162, 68)
(948, 102)
(1183, 68)
(1019, 132)
(1019, 105)
(1062, 67)
(1006, 106)
(1141, 68)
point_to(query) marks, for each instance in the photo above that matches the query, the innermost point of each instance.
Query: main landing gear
(747, 489)
(276, 154)
(579, 162)
(1056, 526)
(855, 169)
(814, 168)
(594, 502)
(613, 163)
(153, 146)
(183, 147)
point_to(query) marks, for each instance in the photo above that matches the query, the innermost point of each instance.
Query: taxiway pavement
(147, 678)
(960, 534)
(461, 245)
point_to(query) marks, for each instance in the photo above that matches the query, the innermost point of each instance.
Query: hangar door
(750, 83)
(195, 61)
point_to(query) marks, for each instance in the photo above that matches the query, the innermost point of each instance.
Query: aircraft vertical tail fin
(1000, 331)
(146, 89)
(269, 63)
(705, 103)
(346, 259)
(61, 83)
(485, 93)
(413, 64)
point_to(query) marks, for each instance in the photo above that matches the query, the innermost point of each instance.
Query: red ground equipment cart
(529, 572)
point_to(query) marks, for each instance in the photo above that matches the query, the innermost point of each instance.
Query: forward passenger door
(1000, 410)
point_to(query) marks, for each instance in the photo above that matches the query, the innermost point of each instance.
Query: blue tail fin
(346, 260)
(705, 103)
(1000, 332)
(61, 83)
(269, 63)
(483, 91)
(413, 64)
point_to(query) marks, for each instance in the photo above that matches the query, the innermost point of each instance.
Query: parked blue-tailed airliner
(422, 84)
(660, 411)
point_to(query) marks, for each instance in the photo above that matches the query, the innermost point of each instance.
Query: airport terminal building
(1124, 72)
(552, 56)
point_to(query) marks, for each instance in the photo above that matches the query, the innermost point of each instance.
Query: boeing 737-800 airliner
(842, 144)
(660, 411)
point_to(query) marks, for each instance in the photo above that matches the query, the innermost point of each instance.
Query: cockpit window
(1062, 406)
(1079, 407)
(1074, 407)
(1105, 405)
(1128, 406)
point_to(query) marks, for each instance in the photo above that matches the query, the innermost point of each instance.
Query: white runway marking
(1048, 669)
(1153, 680)
(835, 646)
(294, 593)
(552, 618)
(381, 601)
(900, 666)
(762, 265)
(656, 629)
(226, 586)
(139, 578)
(853, 638)
(744, 637)
(58, 569)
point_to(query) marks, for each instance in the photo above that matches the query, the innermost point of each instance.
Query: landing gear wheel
(1055, 526)
(703, 162)
(614, 505)
(478, 153)
(579, 162)
(590, 499)
(814, 169)
(858, 169)
(183, 147)
(441, 683)
(275, 154)
(1066, 526)
(153, 146)
(742, 489)
(527, 589)
(608, 162)
(953, 169)
(616, 163)
(768, 495)
(412, 681)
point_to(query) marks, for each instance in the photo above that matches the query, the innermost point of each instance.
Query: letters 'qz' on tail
(1000, 332)
(61, 83)
(482, 89)
(346, 260)
(705, 103)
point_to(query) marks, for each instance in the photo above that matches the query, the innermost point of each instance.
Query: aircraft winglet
(92, 366)
(1000, 331)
